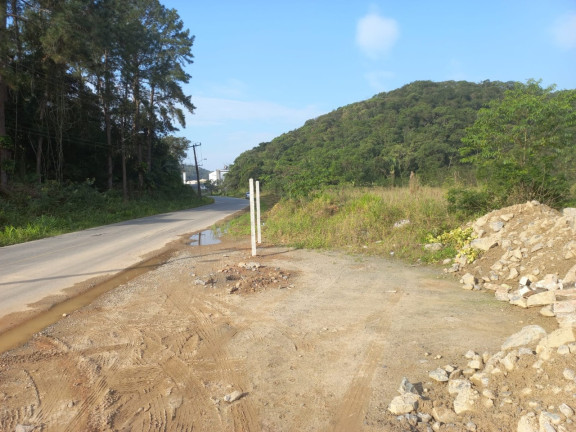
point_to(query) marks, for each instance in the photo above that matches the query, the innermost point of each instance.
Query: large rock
(527, 336)
(562, 336)
(485, 243)
(465, 400)
(443, 415)
(404, 404)
(541, 299)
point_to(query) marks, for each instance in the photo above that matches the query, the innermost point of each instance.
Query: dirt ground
(217, 340)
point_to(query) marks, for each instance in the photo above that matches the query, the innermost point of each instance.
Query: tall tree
(520, 142)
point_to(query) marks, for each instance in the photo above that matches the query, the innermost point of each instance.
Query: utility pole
(197, 172)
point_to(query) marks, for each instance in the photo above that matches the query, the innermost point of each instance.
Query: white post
(252, 231)
(259, 231)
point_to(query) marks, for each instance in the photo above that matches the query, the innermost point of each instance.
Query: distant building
(217, 177)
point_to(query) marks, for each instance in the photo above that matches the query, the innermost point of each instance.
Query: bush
(469, 202)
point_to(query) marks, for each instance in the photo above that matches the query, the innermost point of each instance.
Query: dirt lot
(217, 340)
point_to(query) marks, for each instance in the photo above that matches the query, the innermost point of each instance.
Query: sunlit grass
(363, 220)
(50, 215)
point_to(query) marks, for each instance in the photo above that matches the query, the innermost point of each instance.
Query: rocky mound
(528, 386)
(529, 260)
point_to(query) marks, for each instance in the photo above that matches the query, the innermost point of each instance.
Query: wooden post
(252, 222)
(258, 225)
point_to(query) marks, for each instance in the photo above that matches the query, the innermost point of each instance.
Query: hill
(378, 141)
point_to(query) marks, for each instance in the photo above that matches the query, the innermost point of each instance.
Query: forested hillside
(378, 141)
(92, 90)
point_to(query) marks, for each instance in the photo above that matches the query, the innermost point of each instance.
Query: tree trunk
(150, 131)
(39, 158)
(4, 146)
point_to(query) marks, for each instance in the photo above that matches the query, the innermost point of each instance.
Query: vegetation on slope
(374, 142)
(518, 138)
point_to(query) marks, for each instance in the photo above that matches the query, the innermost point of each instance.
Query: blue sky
(262, 68)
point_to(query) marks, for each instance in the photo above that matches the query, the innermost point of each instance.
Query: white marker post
(259, 231)
(252, 231)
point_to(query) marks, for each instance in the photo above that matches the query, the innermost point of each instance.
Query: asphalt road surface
(37, 269)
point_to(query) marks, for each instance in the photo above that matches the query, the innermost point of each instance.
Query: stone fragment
(433, 247)
(541, 299)
(513, 274)
(402, 223)
(556, 338)
(465, 400)
(518, 300)
(404, 404)
(476, 363)
(565, 306)
(551, 418)
(439, 375)
(497, 226)
(485, 243)
(547, 311)
(506, 217)
(566, 410)
(469, 281)
(457, 385)
(510, 360)
(570, 278)
(569, 374)
(502, 293)
(407, 387)
(528, 423)
(234, 396)
(443, 415)
(526, 336)
(480, 378)
(549, 282)
(24, 428)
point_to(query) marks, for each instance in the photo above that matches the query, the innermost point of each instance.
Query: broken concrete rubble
(543, 404)
(529, 259)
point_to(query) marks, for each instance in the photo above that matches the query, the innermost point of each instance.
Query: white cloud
(375, 35)
(564, 31)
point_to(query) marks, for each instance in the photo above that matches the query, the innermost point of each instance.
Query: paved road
(34, 270)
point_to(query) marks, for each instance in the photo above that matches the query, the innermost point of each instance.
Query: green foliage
(374, 142)
(359, 220)
(459, 240)
(34, 212)
(95, 90)
(469, 201)
(523, 145)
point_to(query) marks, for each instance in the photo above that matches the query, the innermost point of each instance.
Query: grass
(35, 212)
(363, 220)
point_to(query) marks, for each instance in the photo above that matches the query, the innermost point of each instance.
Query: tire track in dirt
(212, 361)
(352, 408)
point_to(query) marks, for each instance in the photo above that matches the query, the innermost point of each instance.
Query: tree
(521, 142)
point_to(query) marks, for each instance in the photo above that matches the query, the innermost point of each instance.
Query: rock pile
(527, 386)
(528, 259)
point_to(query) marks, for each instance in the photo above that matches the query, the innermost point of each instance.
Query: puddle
(206, 237)
(23, 332)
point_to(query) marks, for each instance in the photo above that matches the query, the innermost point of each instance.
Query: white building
(217, 177)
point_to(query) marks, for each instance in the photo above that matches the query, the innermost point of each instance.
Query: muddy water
(23, 332)
(205, 238)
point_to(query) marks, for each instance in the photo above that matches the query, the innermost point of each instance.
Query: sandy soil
(291, 340)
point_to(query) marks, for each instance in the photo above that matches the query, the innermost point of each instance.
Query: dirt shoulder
(218, 340)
